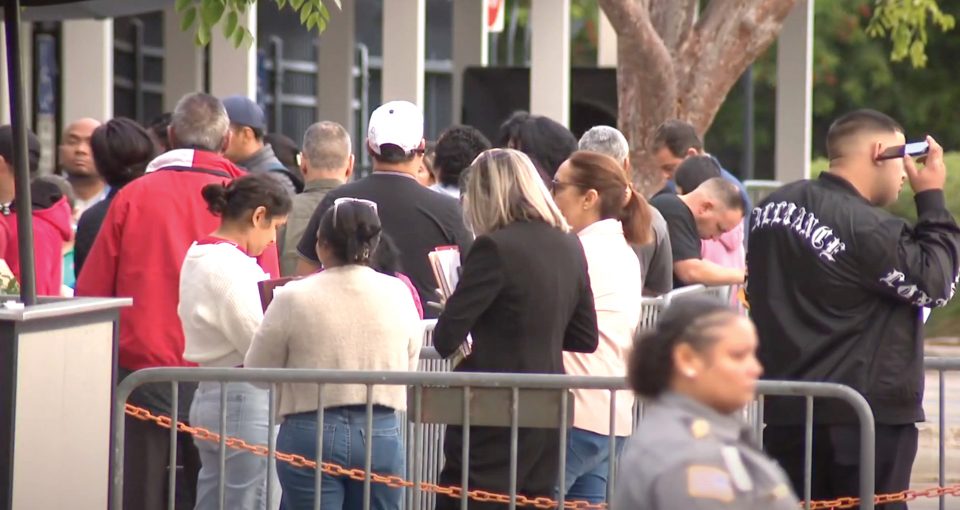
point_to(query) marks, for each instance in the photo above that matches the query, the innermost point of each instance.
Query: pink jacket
(727, 251)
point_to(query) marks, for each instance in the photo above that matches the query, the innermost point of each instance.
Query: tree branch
(729, 36)
(673, 20)
(629, 18)
(646, 83)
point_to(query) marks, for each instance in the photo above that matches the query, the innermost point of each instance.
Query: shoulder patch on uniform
(709, 482)
(700, 428)
(780, 491)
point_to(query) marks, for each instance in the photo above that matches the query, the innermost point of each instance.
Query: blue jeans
(245, 479)
(588, 464)
(344, 443)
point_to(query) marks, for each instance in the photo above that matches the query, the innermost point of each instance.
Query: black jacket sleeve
(917, 265)
(582, 333)
(307, 247)
(479, 285)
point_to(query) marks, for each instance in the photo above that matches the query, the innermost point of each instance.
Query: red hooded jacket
(138, 252)
(51, 229)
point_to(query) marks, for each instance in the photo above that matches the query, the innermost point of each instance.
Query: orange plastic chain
(480, 495)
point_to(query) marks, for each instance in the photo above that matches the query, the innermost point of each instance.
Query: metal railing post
(276, 83)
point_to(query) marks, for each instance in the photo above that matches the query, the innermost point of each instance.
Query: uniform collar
(724, 426)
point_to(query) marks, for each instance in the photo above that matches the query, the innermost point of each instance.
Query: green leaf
(186, 21)
(181, 5)
(238, 37)
(305, 13)
(322, 25)
(281, 4)
(211, 12)
(296, 4)
(230, 26)
(203, 35)
(324, 12)
(918, 54)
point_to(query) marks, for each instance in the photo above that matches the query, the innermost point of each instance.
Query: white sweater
(347, 318)
(219, 304)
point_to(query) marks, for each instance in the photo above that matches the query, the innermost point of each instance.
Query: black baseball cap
(6, 147)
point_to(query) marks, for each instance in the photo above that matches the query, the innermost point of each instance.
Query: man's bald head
(76, 158)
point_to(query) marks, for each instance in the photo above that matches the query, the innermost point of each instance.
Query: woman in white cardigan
(220, 311)
(346, 317)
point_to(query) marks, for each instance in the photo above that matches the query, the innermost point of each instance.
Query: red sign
(495, 10)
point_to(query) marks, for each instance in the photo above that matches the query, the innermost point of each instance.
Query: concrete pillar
(403, 50)
(550, 59)
(233, 71)
(182, 61)
(87, 69)
(606, 42)
(4, 88)
(336, 55)
(795, 94)
(470, 45)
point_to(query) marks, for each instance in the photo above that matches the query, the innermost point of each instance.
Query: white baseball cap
(397, 123)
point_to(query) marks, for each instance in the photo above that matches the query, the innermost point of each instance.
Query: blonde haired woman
(525, 298)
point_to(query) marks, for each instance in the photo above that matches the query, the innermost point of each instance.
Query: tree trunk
(674, 65)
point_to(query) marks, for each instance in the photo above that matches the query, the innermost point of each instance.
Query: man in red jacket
(138, 253)
(52, 225)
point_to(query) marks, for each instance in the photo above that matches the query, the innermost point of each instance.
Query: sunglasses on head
(347, 200)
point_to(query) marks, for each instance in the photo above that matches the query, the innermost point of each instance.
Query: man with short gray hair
(326, 161)
(656, 259)
(150, 225)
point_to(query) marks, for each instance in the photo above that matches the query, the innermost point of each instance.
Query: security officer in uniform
(697, 370)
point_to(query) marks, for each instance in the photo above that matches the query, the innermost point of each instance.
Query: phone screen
(916, 148)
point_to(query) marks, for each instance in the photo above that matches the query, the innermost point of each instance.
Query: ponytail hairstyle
(690, 321)
(618, 198)
(351, 230)
(237, 200)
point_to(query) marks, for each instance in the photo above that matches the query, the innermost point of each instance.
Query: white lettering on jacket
(803, 224)
(895, 279)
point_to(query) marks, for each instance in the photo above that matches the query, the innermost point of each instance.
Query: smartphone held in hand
(915, 150)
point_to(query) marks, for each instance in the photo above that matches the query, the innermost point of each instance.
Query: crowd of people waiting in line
(188, 215)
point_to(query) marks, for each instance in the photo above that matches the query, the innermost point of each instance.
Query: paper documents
(445, 262)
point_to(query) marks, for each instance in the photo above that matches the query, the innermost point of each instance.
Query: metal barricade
(758, 190)
(650, 310)
(431, 447)
(479, 399)
(942, 366)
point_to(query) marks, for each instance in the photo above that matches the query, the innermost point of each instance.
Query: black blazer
(525, 296)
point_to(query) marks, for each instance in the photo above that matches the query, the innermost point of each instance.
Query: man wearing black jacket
(837, 287)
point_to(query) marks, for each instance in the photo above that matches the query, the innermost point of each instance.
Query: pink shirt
(617, 292)
(728, 251)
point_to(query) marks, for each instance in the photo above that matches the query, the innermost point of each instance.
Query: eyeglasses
(347, 200)
(557, 186)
